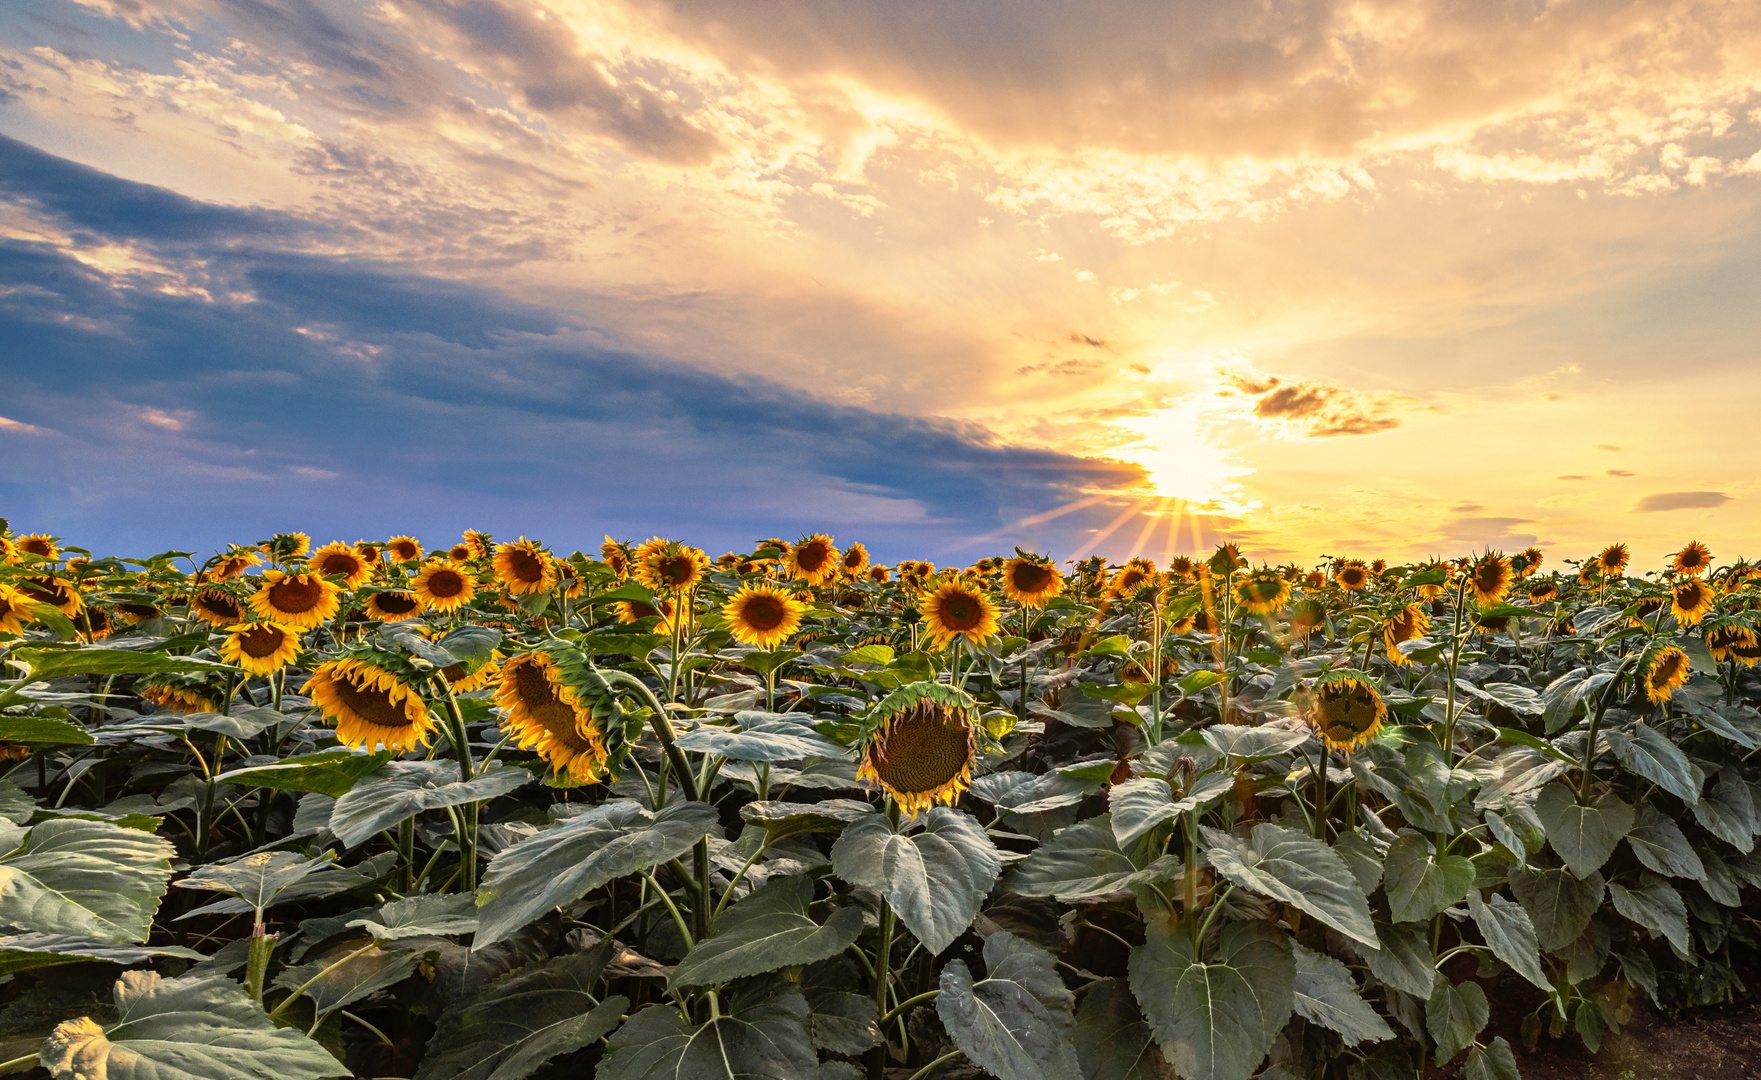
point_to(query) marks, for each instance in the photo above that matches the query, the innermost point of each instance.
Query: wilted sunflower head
(667, 566)
(919, 743)
(443, 586)
(1346, 712)
(813, 559)
(1306, 614)
(855, 560)
(236, 561)
(1664, 669)
(261, 648)
(403, 549)
(1692, 560)
(1404, 624)
(958, 609)
(41, 545)
(394, 605)
(1490, 624)
(524, 568)
(341, 560)
(1690, 600)
(551, 708)
(1543, 590)
(1227, 558)
(762, 615)
(1030, 580)
(1612, 559)
(1489, 578)
(370, 695)
(630, 611)
(617, 556)
(1734, 642)
(1351, 574)
(300, 600)
(1527, 561)
(1263, 591)
(183, 693)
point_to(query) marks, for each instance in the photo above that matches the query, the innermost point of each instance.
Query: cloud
(1681, 500)
(1314, 409)
(1619, 472)
(1488, 532)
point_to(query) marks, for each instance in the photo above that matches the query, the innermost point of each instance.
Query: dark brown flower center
(36, 547)
(47, 591)
(676, 569)
(339, 563)
(295, 595)
(220, 606)
(763, 613)
(1031, 577)
(459, 552)
(810, 557)
(405, 551)
(260, 641)
(446, 584)
(922, 749)
(371, 704)
(961, 611)
(396, 603)
(526, 567)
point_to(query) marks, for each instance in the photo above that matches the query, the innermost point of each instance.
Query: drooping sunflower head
(1489, 578)
(95, 622)
(1734, 641)
(1306, 614)
(370, 695)
(959, 610)
(341, 560)
(41, 545)
(1693, 560)
(394, 605)
(813, 559)
(464, 680)
(855, 561)
(1543, 590)
(444, 586)
(919, 744)
(1527, 561)
(667, 566)
(1690, 600)
(617, 556)
(1030, 580)
(1404, 624)
(479, 543)
(524, 568)
(1351, 574)
(879, 574)
(1263, 591)
(1664, 669)
(13, 613)
(1489, 624)
(300, 600)
(59, 593)
(261, 648)
(1134, 577)
(763, 616)
(1612, 559)
(183, 693)
(217, 606)
(135, 612)
(549, 698)
(236, 561)
(1346, 712)
(630, 611)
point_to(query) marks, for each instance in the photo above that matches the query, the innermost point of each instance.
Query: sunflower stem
(467, 822)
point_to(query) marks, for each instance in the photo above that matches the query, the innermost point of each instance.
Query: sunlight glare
(1181, 451)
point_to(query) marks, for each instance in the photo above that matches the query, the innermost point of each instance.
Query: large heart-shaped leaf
(1016, 1023)
(934, 879)
(328, 879)
(1727, 810)
(26, 952)
(761, 1034)
(347, 972)
(1559, 904)
(1405, 961)
(1647, 752)
(328, 772)
(403, 789)
(562, 863)
(1298, 870)
(780, 819)
(1584, 836)
(1656, 906)
(1420, 885)
(1661, 846)
(257, 879)
(762, 736)
(767, 930)
(1454, 1015)
(421, 916)
(1140, 805)
(198, 1027)
(1510, 935)
(1215, 1020)
(1253, 743)
(43, 731)
(84, 878)
(1113, 1040)
(1327, 995)
(1081, 862)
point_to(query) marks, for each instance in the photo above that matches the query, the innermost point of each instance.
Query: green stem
(678, 919)
(307, 985)
(949, 1056)
(927, 995)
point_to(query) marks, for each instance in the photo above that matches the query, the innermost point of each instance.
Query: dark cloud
(1083, 339)
(1619, 472)
(1318, 409)
(1682, 500)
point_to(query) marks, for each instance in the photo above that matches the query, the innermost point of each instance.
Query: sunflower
(1490, 624)
(574, 586)
(630, 611)
(919, 743)
(394, 606)
(8, 550)
(1542, 591)
(295, 599)
(1346, 712)
(855, 560)
(12, 610)
(1489, 578)
(1613, 559)
(763, 616)
(1134, 577)
(136, 613)
(814, 559)
(1351, 574)
(460, 554)
(1692, 560)
(1031, 581)
(667, 566)
(1734, 642)
(1665, 669)
(216, 607)
(543, 693)
(370, 553)
(1404, 624)
(1180, 568)
(1589, 574)
(1645, 607)
(1226, 558)
(42, 545)
(236, 561)
(462, 679)
(369, 694)
(1690, 600)
(1306, 613)
(1314, 580)
(94, 622)
(879, 574)
(403, 549)
(14, 751)
(959, 610)
(58, 593)
(524, 568)
(286, 547)
(617, 556)
(1527, 561)
(1263, 591)
(443, 587)
(183, 694)
(481, 547)
(262, 648)
(340, 560)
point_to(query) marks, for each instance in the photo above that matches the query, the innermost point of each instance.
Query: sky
(1333, 278)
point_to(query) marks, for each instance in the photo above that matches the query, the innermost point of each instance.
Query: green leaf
(475, 645)
(762, 737)
(1198, 681)
(1405, 961)
(1418, 885)
(51, 616)
(767, 930)
(1510, 935)
(1727, 810)
(55, 663)
(1645, 752)
(636, 645)
(328, 880)
(84, 878)
(1017, 1023)
(421, 916)
(1139, 805)
(780, 819)
(348, 972)
(43, 731)
(1122, 694)
(256, 879)
(403, 789)
(198, 1027)
(761, 1034)
(1327, 995)
(880, 655)
(1362, 856)
(328, 772)
(1113, 1040)
(1558, 903)
(1253, 743)
(1493, 1061)
(1081, 862)
(1454, 1015)
(629, 590)
(1584, 836)
(516, 1024)
(1661, 846)
(1298, 870)
(1215, 1020)
(579, 854)
(26, 952)
(15, 806)
(1656, 906)
(934, 879)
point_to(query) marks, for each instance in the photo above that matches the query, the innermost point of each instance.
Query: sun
(1184, 458)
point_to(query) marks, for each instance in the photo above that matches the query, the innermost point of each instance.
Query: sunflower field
(493, 811)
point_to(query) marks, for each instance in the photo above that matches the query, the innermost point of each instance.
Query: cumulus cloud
(1682, 500)
(1314, 409)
